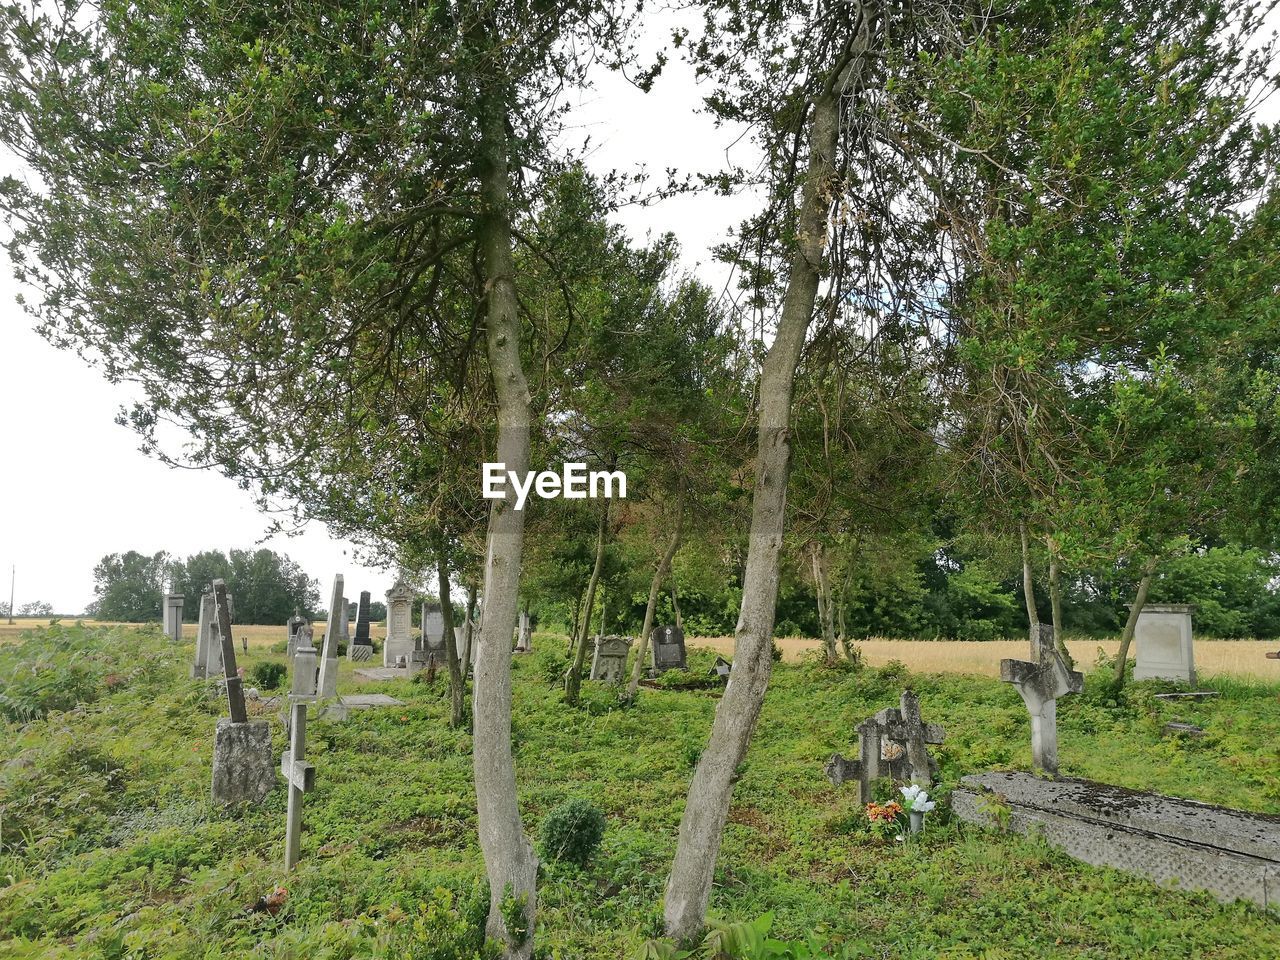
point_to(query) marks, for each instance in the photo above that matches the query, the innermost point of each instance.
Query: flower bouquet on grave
(885, 819)
(915, 800)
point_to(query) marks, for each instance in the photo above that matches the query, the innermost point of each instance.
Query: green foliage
(128, 587)
(268, 674)
(572, 832)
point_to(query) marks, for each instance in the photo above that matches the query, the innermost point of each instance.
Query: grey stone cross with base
(893, 734)
(1040, 683)
(300, 775)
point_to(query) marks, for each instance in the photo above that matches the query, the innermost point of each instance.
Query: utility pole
(13, 576)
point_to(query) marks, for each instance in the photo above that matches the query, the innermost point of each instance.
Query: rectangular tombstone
(294, 625)
(667, 644)
(609, 662)
(173, 616)
(362, 620)
(244, 769)
(1165, 646)
(200, 665)
(398, 648)
(329, 655)
(1232, 854)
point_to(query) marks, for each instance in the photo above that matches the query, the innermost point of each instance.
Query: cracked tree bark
(655, 587)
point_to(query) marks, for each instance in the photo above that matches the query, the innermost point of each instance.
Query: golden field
(1238, 658)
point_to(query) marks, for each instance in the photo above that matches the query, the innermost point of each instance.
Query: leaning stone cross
(235, 691)
(887, 737)
(1041, 683)
(299, 774)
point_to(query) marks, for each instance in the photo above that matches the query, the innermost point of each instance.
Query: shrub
(572, 832)
(267, 675)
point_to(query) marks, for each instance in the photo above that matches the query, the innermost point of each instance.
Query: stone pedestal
(244, 769)
(1165, 646)
(173, 616)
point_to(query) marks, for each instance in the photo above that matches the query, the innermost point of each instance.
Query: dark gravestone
(668, 649)
(362, 621)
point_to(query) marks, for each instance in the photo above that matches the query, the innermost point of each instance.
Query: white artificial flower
(916, 798)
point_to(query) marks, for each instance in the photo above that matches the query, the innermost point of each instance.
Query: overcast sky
(74, 485)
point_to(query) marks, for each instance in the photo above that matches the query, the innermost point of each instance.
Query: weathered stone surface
(206, 641)
(1165, 645)
(359, 652)
(244, 769)
(384, 673)
(173, 616)
(296, 622)
(342, 707)
(1232, 854)
(668, 650)
(892, 743)
(400, 642)
(609, 662)
(1040, 683)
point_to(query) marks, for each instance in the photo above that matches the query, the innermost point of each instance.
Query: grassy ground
(109, 846)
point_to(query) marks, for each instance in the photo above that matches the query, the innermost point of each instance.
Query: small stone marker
(242, 767)
(397, 649)
(299, 774)
(1166, 650)
(524, 637)
(295, 622)
(892, 743)
(668, 649)
(329, 659)
(1040, 684)
(173, 616)
(721, 669)
(609, 662)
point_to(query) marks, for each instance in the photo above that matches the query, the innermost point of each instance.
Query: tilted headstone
(173, 616)
(299, 774)
(344, 622)
(329, 657)
(721, 669)
(1165, 646)
(362, 621)
(609, 662)
(398, 648)
(668, 649)
(1040, 683)
(894, 744)
(206, 631)
(242, 768)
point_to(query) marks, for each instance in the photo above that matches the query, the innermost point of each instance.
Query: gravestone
(721, 669)
(295, 622)
(892, 743)
(362, 620)
(609, 662)
(1194, 846)
(206, 634)
(173, 616)
(668, 649)
(1040, 683)
(299, 774)
(329, 657)
(432, 651)
(1165, 646)
(397, 649)
(344, 622)
(243, 771)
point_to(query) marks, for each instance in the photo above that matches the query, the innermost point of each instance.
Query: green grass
(109, 846)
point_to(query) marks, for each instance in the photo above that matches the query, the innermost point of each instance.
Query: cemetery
(759, 481)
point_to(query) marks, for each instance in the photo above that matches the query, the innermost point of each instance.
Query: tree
(129, 587)
(36, 608)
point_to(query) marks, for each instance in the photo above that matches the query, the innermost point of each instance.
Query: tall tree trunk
(1055, 604)
(1131, 624)
(822, 587)
(573, 627)
(509, 859)
(468, 633)
(711, 789)
(1029, 591)
(457, 679)
(655, 587)
(675, 605)
(573, 678)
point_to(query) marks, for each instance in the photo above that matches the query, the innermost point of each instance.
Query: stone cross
(295, 623)
(329, 662)
(892, 735)
(1040, 683)
(235, 692)
(299, 774)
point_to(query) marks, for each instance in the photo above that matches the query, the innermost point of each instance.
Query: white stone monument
(329, 659)
(399, 643)
(1165, 646)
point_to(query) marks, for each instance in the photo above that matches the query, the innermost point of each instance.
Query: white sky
(73, 485)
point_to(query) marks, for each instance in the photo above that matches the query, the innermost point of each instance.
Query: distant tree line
(268, 586)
